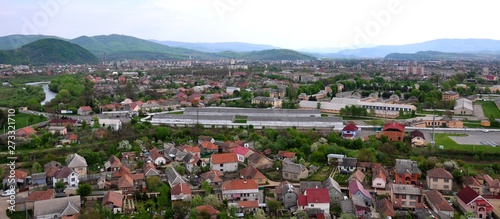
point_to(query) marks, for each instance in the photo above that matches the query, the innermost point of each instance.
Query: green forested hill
(48, 51)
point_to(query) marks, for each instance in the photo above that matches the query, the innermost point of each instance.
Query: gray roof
(294, 119)
(348, 162)
(76, 160)
(403, 166)
(358, 201)
(331, 183)
(173, 176)
(293, 168)
(406, 189)
(243, 111)
(309, 185)
(463, 102)
(36, 176)
(63, 206)
(347, 206)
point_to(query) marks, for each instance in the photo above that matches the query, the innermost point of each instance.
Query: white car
(486, 130)
(8, 193)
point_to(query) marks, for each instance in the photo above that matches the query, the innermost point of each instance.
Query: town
(253, 139)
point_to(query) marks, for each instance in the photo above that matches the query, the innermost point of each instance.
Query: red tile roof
(394, 126)
(86, 108)
(286, 154)
(437, 199)
(241, 150)
(440, 173)
(192, 149)
(302, 200)
(154, 154)
(21, 174)
(351, 127)
(125, 181)
(208, 209)
(386, 207)
(224, 158)
(181, 188)
(248, 204)
(41, 195)
(467, 194)
(317, 195)
(209, 145)
(237, 184)
(26, 131)
(251, 172)
(114, 198)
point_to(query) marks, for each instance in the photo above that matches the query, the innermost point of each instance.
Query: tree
(84, 190)
(36, 168)
(212, 199)
(260, 214)
(196, 201)
(96, 122)
(301, 215)
(153, 182)
(181, 209)
(60, 186)
(161, 133)
(193, 214)
(205, 186)
(274, 206)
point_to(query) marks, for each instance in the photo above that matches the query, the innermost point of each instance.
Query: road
(4, 204)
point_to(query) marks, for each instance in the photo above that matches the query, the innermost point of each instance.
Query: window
(397, 195)
(403, 196)
(72, 179)
(312, 205)
(286, 174)
(403, 203)
(412, 204)
(446, 186)
(221, 165)
(434, 179)
(412, 197)
(446, 180)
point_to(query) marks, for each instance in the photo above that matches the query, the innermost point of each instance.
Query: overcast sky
(289, 24)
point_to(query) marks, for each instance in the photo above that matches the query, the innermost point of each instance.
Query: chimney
(245, 181)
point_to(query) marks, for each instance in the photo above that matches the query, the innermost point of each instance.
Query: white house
(379, 179)
(156, 157)
(240, 190)
(225, 162)
(114, 124)
(314, 198)
(66, 175)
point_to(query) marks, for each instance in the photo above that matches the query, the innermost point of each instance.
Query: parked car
(486, 130)
(8, 193)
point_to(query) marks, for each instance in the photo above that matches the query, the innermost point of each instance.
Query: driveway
(478, 111)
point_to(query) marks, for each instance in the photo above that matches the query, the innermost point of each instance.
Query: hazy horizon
(286, 24)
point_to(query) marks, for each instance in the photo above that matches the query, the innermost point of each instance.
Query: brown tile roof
(224, 158)
(256, 157)
(122, 171)
(71, 136)
(192, 149)
(439, 173)
(26, 131)
(471, 181)
(115, 162)
(137, 176)
(248, 204)
(181, 188)
(86, 108)
(358, 175)
(492, 183)
(286, 154)
(237, 184)
(209, 145)
(386, 208)
(51, 171)
(154, 154)
(437, 199)
(114, 198)
(251, 172)
(63, 173)
(41, 195)
(21, 174)
(208, 209)
(125, 181)
(212, 175)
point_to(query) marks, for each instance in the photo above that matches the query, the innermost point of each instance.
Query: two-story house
(259, 161)
(113, 164)
(407, 197)
(225, 162)
(66, 208)
(356, 188)
(181, 192)
(417, 138)
(334, 190)
(406, 172)
(470, 200)
(286, 194)
(315, 198)
(493, 185)
(240, 190)
(78, 164)
(252, 173)
(439, 179)
(350, 131)
(394, 131)
(294, 172)
(66, 175)
(379, 177)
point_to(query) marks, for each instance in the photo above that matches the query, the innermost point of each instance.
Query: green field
(375, 122)
(322, 174)
(23, 120)
(489, 108)
(448, 143)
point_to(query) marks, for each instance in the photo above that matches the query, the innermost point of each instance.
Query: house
(129, 183)
(294, 172)
(38, 179)
(225, 162)
(173, 177)
(113, 164)
(253, 173)
(362, 210)
(120, 172)
(493, 185)
(50, 170)
(208, 147)
(228, 146)
(39, 196)
(379, 177)
(470, 200)
(208, 210)
(463, 106)
(113, 124)
(181, 192)
(213, 177)
(347, 207)
(25, 132)
(203, 138)
(406, 197)
(247, 207)
(62, 122)
(70, 138)
(285, 154)
(113, 201)
(78, 164)
(157, 157)
(191, 149)
(347, 165)
(356, 188)
(286, 194)
(192, 160)
(439, 179)
(438, 203)
(240, 190)
(350, 131)
(386, 208)
(58, 130)
(84, 110)
(417, 138)
(474, 184)
(394, 131)
(267, 101)
(358, 175)
(450, 95)
(260, 161)
(242, 153)
(67, 208)
(66, 175)
(406, 172)
(334, 190)
(150, 170)
(314, 198)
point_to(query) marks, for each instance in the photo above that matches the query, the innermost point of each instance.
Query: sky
(291, 24)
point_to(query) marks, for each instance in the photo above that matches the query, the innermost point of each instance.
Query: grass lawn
(322, 174)
(375, 122)
(176, 112)
(489, 108)
(23, 120)
(16, 214)
(341, 178)
(448, 143)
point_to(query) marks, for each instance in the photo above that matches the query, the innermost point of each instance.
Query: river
(49, 95)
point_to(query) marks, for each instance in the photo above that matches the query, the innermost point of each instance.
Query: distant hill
(218, 47)
(127, 47)
(16, 41)
(434, 55)
(48, 51)
(276, 54)
(441, 45)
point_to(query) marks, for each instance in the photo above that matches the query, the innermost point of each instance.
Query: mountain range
(113, 47)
